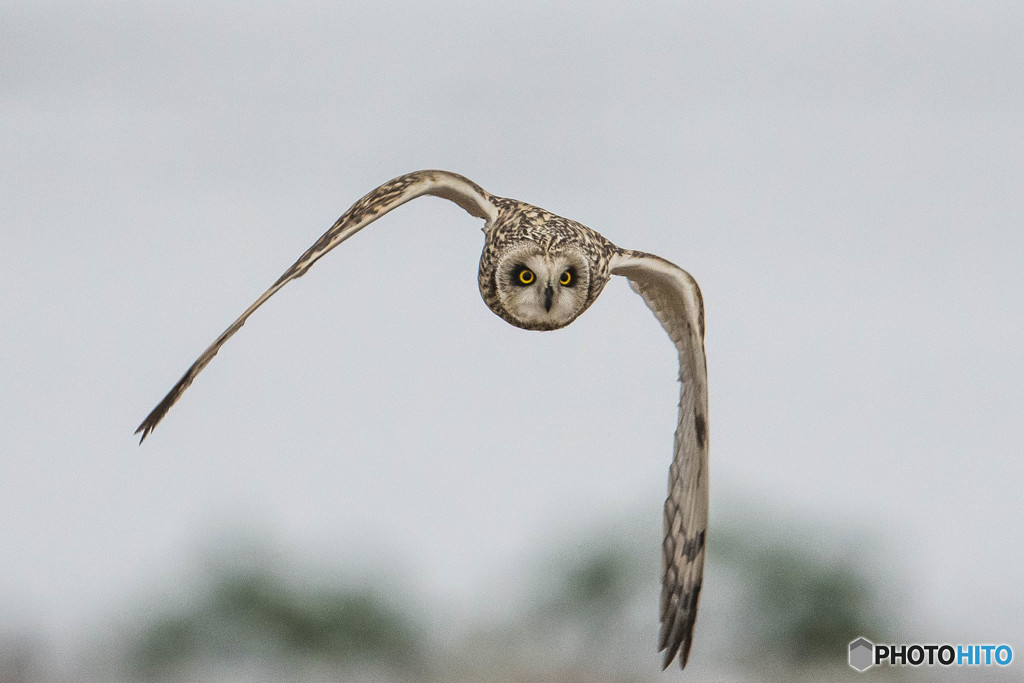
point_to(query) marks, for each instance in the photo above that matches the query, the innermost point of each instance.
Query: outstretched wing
(388, 196)
(674, 297)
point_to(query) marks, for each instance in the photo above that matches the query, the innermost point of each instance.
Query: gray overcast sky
(843, 179)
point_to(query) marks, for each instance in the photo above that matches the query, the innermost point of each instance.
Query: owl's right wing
(388, 196)
(674, 297)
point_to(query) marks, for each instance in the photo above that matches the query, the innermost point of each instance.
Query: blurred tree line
(780, 603)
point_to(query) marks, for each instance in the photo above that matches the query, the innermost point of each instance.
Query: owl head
(541, 287)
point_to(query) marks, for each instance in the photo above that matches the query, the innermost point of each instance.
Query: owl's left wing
(674, 297)
(390, 195)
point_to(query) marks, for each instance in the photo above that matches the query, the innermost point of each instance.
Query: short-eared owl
(540, 271)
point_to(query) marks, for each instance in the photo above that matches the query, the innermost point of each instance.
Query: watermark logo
(863, 654)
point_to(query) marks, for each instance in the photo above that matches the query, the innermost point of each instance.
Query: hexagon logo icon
(862, 654)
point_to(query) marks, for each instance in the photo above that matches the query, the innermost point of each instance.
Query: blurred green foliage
(805, 594)
(792, 606)
(814, 605)
(255, 614)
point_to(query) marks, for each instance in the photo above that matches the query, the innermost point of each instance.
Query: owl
(539, 271)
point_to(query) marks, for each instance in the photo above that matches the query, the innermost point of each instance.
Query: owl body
(540, 271)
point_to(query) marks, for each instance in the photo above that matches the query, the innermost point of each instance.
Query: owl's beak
(549, 294)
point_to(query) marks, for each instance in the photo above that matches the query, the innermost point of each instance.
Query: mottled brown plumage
(540, 271)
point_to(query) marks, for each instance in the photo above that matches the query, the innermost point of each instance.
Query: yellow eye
(526, 276)
(566, 278)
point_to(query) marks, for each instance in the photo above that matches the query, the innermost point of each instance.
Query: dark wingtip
(682, 648)
(684, 653)
(677, 630)
(157, 414)
(147, 426)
